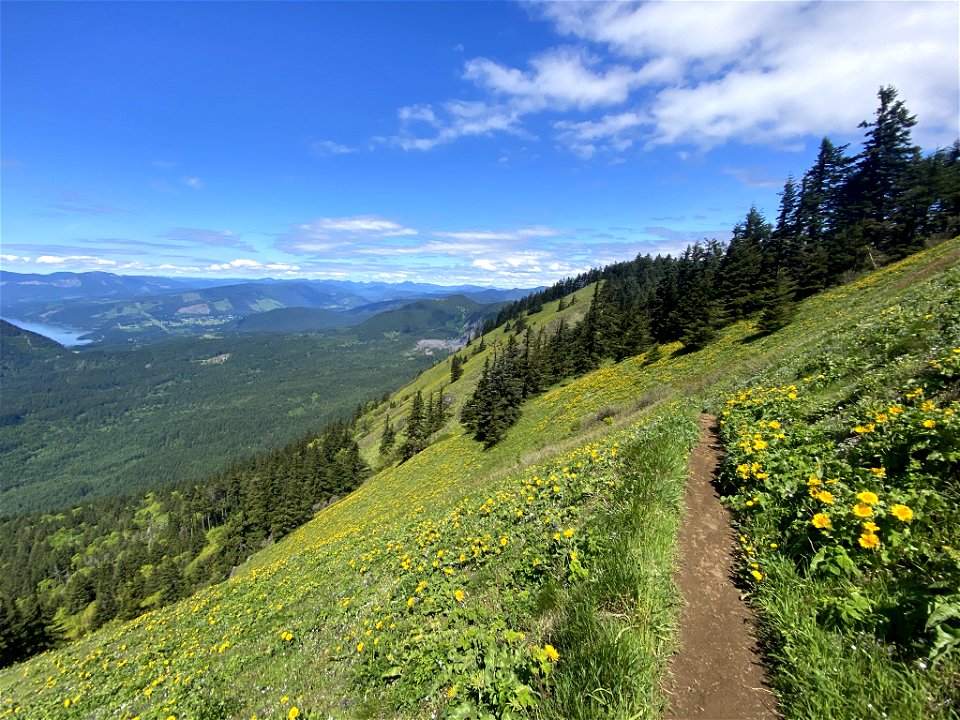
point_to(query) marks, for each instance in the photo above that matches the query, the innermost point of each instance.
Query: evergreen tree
(456, 368)
(413, 441)
(882, 170)
(742, 280)
(777, 305)
(388, 438)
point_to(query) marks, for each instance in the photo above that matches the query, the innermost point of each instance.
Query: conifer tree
(456, 368)
(413, 440)
(387, 439)
(882, 170)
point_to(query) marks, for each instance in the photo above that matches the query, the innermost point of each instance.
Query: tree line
(848, 213)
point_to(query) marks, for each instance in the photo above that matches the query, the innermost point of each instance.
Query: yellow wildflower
(821, 521)
(868, 497)
(552, 653)
(825, 497)
(929, 423)
(294, 713)
(459, 595)
(870, 527)
(901, 513)
(869, 541)
(862, 510)
(757, 575)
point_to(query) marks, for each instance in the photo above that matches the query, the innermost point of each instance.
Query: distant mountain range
(117, 309)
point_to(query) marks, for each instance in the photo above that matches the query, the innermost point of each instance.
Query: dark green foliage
(415, 431)
(387, 439)
(495, 404)
(456, 368)
(777, 306)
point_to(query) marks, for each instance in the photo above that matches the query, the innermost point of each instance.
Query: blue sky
(507, 144)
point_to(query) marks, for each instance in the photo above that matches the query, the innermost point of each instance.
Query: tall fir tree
(882, 172)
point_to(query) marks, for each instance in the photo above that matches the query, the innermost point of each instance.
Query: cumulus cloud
(772, 72)
(706, 73)
(193, 182)
(561, 78)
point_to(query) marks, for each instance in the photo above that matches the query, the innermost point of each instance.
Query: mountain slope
(473, 577)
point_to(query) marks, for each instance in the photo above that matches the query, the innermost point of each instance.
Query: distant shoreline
(66, 336)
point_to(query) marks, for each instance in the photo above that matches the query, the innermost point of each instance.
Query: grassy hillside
(529, 580)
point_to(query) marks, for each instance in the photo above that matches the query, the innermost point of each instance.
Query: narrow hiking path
(718, 673)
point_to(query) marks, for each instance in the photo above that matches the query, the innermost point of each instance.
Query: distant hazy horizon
(498, 144)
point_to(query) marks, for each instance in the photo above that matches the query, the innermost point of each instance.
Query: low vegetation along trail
(718, 673)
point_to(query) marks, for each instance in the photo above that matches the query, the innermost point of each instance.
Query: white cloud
(706, 73)
(75, 259)
(238, 264)
(15, 258)
(326, 234)
(501, 235)
(773, 72)
(193, 182)
(559, 79)
(611, 131)
(329, 147)
(460, 119)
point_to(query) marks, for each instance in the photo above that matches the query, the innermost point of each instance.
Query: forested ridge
(848, 213)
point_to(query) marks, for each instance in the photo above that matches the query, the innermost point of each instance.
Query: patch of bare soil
(718, 673)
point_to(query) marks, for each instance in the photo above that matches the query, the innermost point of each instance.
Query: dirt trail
(718, 673)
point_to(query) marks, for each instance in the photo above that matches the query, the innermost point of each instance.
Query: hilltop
(521, 579)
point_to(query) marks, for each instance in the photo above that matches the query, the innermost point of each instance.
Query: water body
(66, 336)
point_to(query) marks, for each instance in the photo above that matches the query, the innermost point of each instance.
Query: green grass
(499, 624)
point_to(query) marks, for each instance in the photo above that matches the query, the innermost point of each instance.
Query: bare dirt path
(718, 673)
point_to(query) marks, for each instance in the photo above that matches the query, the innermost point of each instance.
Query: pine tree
(742, 280)
(387, 439)
(456, 368)
(413, 441)
(882, 171)
(777, 305)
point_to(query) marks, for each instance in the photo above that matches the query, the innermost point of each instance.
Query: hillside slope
(531, 579)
